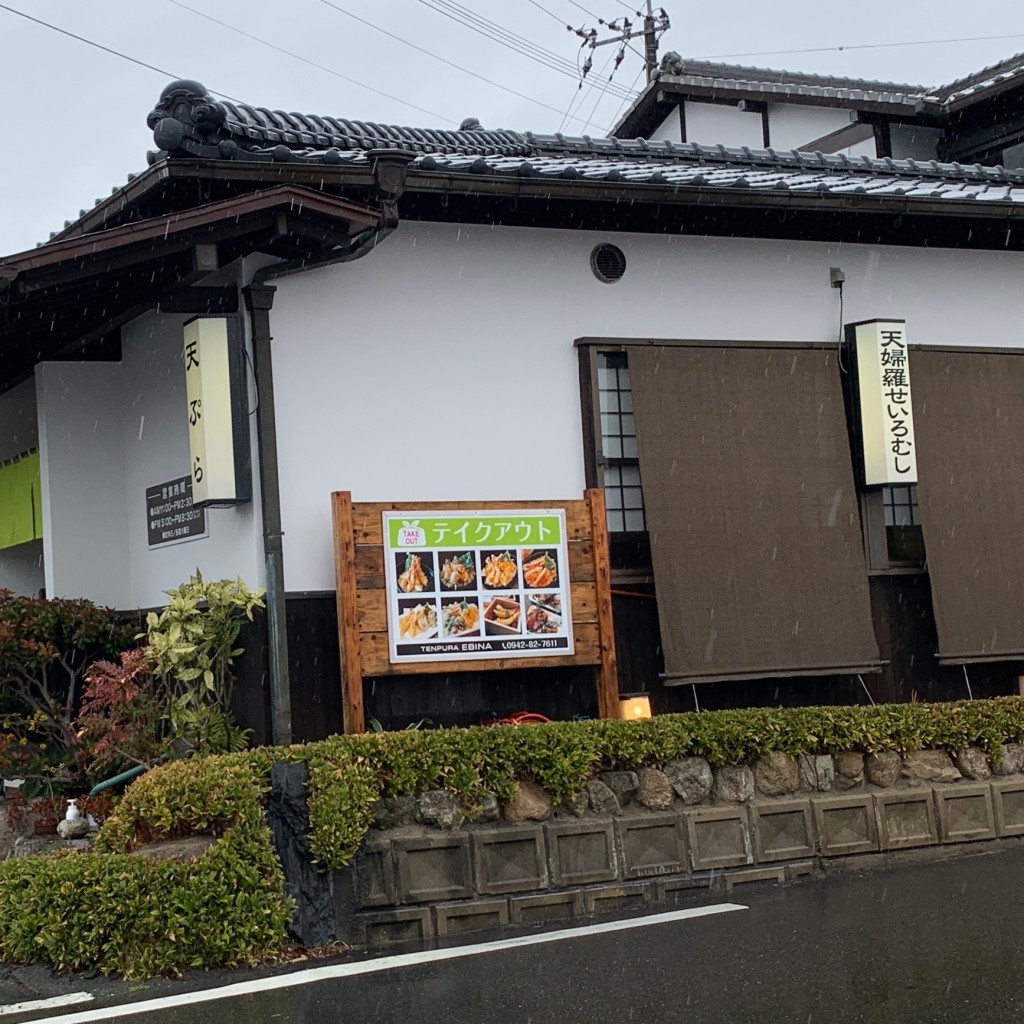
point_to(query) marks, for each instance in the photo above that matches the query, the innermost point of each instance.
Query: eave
(59, 297)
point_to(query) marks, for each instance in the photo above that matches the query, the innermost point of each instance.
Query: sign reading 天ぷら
(463, 585)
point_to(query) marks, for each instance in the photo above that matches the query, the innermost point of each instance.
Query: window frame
(630, 549)
(876, 539)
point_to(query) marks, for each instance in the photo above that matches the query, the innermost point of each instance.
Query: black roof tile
(214, 129)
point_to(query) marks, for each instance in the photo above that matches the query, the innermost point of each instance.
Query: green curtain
(21, 502)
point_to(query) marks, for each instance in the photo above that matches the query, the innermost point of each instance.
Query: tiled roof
(1003, 73)
(685, 72)
(189, 123)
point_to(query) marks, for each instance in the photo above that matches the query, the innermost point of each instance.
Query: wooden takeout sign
(363, 598)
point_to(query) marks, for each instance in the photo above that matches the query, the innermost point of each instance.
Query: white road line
(385, 963)
(46, 1004)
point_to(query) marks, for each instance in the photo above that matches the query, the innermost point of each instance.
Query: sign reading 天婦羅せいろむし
(886, 404)
(170, 515)
(477, 584)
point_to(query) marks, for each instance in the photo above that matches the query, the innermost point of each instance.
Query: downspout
(389, 175)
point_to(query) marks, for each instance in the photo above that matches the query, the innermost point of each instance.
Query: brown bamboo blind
(969, 421)
(752, 513)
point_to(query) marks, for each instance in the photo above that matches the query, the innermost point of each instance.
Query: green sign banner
(474, 530)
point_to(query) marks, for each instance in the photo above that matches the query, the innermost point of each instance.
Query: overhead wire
(288, 53)
(577, 94)
(862, 46)
(100, 46)
(583, 90)
(632, 90)
(311, 63)
(436, 56)
(541, 7)
(504, 37)
(498, 33)
(600, 96)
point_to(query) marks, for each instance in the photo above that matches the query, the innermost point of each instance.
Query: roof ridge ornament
(187, 117)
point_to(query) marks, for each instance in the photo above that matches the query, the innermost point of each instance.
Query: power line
(581, 94)
(436, 56)
(580, 7)
(632, 90)
(311, 63)
(541, 7)
(601, 94)
(496, 32)
(100, 46)
(862, 46)
(502, 36)
(577, 94)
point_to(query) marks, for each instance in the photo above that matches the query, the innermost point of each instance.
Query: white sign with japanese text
(478, 584)
(208, 393)
(886, 407)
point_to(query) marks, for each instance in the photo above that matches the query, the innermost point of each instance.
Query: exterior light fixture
(634, 707)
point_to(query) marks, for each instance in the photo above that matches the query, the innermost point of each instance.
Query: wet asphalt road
(929, 943)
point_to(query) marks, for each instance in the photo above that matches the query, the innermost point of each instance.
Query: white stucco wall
(442, 365)
(865, 148)
(108, 431)
(911, 142)
(21, 567)
(794, 126)
(669, 129)
(155, 442)
(712, 124)
(82, 465)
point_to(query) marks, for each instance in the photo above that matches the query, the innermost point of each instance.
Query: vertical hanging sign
(884, 400)
(217, 425)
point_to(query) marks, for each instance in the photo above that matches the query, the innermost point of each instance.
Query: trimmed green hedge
(107, 910)
(113, 912)
(348, 773)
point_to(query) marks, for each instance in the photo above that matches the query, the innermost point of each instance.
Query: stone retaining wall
(413, 881)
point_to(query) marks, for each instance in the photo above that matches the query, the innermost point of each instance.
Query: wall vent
(608, 263)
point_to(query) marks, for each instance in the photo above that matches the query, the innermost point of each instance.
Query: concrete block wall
(421, 884)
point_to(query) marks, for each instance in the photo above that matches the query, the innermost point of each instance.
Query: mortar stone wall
(416, 883)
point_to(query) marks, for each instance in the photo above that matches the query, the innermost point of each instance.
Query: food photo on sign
(417, 620)
(500, 569)
(503, 615)
(415, 572)
(458, 570)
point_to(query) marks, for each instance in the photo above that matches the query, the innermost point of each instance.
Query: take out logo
(411, 534)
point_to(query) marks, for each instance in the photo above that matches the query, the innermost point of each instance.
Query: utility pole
(654, 25)
(651, 40)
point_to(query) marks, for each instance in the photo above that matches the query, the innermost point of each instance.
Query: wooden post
(353, 714)
(607, 671)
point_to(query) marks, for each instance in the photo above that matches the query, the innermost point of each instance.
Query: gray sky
(74, 120)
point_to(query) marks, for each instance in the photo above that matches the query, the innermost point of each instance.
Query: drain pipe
(389, 170)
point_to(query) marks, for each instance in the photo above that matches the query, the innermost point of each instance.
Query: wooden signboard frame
(362, 598)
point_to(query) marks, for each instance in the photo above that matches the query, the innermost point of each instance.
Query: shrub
(348, 773)
(191, 646)
(123, 719)
(45, 646)
(114, 912)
